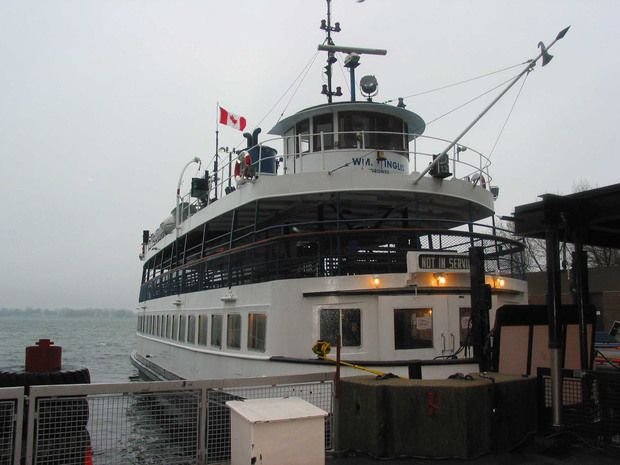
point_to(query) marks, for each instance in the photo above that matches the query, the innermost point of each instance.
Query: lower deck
(270, 328)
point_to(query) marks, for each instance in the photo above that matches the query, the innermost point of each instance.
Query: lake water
(101, 344)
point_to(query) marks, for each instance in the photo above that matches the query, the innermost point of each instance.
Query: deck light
(376, 280)
(499, 282)
(440, 278)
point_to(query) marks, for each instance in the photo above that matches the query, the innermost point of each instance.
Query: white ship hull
(292, 313)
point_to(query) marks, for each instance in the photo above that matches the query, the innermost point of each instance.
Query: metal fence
(175, 422)
(590, 404)
(11, 424)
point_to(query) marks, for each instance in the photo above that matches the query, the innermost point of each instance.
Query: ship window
(168, 327)
(182, 331)
(162, 327)
(175, 335)
(216, 330)
(233, 331)
(413, 328)
(257, 328)
(202, 329)
(157, 324)
(302, 132)
(191, 329)
(345, 322)
(370, 130)
(324, 124)
(289, 142)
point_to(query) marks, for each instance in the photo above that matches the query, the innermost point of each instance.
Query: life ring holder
(243, 167)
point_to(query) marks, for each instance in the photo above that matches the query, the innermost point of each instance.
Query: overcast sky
(103, 102)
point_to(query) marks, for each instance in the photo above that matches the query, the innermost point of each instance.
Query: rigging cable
(471, 100)
(508, 117)
(304, 70)
(305, 73)
(460, 82)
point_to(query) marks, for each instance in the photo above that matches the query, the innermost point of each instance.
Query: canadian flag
(229, 119)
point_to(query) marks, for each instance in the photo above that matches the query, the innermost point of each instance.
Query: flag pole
(217, 147)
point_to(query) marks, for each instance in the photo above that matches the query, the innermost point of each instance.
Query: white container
(279, 431)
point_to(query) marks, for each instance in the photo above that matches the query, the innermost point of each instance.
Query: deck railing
(465, 162)
(279, 253)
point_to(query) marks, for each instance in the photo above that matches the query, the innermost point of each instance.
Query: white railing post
(323, 150)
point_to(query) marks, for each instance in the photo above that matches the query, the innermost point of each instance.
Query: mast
(331, 59)
(351, 62)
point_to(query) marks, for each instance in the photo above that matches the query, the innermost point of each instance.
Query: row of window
(413, 328)
(379, 131)
(207, 330)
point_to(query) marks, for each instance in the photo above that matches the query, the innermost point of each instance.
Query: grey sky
(103, 102)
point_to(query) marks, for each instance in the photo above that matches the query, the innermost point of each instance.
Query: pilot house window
(345, 321)
(371, 130)
(302, 131)
(413, 328)
(323, 124)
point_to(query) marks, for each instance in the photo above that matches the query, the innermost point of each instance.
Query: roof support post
(554, 303)
(480, 305)
(581, 297)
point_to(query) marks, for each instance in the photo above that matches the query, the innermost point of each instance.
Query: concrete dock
(536, 451)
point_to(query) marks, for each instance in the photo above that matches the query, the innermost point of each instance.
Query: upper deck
(365, 152)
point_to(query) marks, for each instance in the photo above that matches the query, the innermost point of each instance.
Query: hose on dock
(322, 348)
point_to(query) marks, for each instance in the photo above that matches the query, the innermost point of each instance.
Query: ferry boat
(349, 223)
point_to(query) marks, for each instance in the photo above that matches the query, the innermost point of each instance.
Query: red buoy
(44, 357)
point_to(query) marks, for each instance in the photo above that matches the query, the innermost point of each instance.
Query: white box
(279, 431)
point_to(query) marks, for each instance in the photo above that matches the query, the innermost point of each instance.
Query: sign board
(437, 262)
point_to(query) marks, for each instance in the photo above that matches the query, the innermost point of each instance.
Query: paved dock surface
(537, 451)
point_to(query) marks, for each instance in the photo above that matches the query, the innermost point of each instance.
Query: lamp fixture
(440, 278)
(376, 280)
(498, 281)
(229, 297)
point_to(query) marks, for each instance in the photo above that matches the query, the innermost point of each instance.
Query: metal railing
(466, 163)
(172, 422)
(262, 256)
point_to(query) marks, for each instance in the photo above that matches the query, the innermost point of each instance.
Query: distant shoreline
(67, 312)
